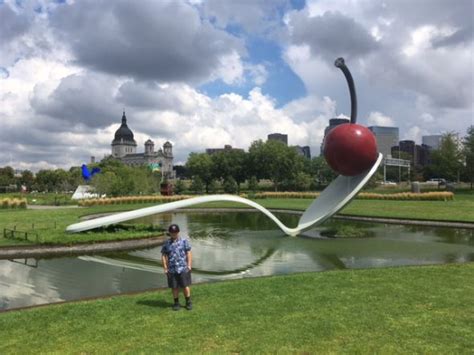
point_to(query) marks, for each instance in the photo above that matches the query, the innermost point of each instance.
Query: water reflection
(229, 246)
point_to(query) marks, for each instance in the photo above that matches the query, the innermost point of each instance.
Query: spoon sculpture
(351, 151)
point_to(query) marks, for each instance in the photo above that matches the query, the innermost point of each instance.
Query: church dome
(123, 134)
(167, 144)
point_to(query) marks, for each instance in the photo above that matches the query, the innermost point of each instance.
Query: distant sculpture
(86, 174)
(350, 148)
(351, 152)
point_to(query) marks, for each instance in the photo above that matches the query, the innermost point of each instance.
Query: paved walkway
(47, 207)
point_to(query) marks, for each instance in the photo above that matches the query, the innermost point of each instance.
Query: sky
(202, 74)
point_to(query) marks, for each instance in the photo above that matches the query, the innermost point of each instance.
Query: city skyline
(211, 73)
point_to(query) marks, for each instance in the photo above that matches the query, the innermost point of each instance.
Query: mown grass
(43, 198)
(51, 224)
(396, 310)
(461, 209)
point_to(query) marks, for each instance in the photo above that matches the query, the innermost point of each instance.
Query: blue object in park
(86, 174)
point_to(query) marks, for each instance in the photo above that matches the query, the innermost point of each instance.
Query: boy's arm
(164, 260)
(189, 257)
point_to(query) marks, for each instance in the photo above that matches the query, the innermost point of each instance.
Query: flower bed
(407, 196)
(13, 203)
(131, 200)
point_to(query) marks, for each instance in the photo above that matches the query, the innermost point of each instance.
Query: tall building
(423, 155)
(333, 122)
(386, 137)
(227, 148)
(433, 141)
(124, 148)
(419, 154)
(304, 151)
(278, 137)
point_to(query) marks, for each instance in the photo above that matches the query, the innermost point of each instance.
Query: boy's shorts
(179, 280)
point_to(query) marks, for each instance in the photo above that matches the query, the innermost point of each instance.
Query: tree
(75, 177)
(468, 154)
(230, 163)
(27, 179)
(321, 171)
(197, 186)
(446, 162)
(275, 161)
(230, 185)
(302, 181)
(253, 184)
(179, 187)
(181, 171)
(45, 180)
(200, 165)
(7, 176)
(213, 186)
(104, 183)
(118, 179)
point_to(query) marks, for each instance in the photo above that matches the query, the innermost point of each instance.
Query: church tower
(168, 149)
(149, 147)
(123, 143)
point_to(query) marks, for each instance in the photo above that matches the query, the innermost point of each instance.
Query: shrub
(13, 203)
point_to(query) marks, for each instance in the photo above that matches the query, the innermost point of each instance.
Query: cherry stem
(342, 65)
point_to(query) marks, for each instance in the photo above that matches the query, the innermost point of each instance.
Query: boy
(177, 260)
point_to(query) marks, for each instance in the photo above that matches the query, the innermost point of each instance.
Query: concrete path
(47, 207)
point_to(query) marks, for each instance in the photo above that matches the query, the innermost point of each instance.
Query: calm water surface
(230, 246)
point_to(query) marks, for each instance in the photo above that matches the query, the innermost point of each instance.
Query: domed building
(124, 148)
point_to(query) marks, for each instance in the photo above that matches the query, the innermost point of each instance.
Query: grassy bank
(50, 226)
(43, 198)
(461, 209)
(407, 310)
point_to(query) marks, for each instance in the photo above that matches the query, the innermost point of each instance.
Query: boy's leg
(187, 295)
(176, 298)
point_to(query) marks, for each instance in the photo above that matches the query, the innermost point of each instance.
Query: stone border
(413, 222)
(16, 252)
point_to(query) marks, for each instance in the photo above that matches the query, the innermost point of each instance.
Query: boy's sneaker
(189, 305)
(176, 307)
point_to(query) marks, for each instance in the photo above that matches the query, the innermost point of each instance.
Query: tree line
(228, 170)
(274, 161)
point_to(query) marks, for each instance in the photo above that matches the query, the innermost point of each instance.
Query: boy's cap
(174, 228)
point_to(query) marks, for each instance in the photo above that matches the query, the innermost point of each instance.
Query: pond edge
(32, 251)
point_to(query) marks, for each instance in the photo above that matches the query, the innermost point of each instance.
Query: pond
(227, 246)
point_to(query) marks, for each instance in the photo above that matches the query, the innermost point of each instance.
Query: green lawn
(51, 224)
(395, 310)
(43, 198)
(460, 209)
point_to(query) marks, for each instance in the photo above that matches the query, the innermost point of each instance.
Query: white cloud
(231, 69)
(379, 119)
(427, 118)
(415, 133)
(422, 37)
(258, 73)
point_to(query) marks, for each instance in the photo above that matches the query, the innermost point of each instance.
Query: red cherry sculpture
(350, 149)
